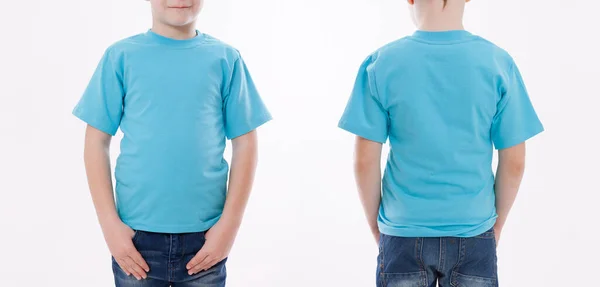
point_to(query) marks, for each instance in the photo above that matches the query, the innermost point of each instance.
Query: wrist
(108, 221)
(230, 223)
(375, 229)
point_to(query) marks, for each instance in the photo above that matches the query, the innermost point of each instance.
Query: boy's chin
(179, 21)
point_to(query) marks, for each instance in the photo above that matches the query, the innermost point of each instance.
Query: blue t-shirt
(445, 100)
(176, 102)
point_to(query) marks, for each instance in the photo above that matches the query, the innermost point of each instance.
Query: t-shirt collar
(443, 36)
(174, 42)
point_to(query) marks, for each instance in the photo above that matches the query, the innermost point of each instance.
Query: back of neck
(433, 16)
(441, 26)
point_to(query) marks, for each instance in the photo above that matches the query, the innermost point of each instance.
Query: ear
(411, 2)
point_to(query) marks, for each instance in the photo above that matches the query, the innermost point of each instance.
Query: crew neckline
(449, 36)
(175, 42)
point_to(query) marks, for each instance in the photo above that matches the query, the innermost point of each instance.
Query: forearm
(506, 188)
(97, 165)
(509, 174)
(367, 172)
(368, 180)
(243, 167)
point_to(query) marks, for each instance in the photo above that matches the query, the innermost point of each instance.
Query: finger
(197, 259)
(211, 264)
(139, 260)
(126, 268)
(123, 266)
(202, 265)
(136, 270)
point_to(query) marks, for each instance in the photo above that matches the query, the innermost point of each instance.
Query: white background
(304, 225)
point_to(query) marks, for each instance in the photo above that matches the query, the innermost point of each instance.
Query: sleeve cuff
(257, 122)
(362, 132)
(513, 141)
(94, 122)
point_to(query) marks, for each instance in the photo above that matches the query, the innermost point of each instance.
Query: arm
(116, 233)
(367, 170)
(511, 166)
(243, 167)
(220, 238)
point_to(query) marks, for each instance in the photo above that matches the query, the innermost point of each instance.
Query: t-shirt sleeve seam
(349, 127)
(231, 73)
(253, 125)
(370, 70)
(523, 137)
(507, 96)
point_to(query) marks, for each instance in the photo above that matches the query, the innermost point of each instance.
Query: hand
(219, 240)
(119, 237)
(497, 232)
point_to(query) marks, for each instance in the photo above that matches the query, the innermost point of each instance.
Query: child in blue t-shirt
(176, 94)
(444, 98)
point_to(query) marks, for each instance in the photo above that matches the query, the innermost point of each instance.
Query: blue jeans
(448, 261)
(167, 256)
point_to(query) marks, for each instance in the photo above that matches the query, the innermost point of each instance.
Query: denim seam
(478, 278)
(419, 255)
(182, 237)
(169, 261)
(461, 254)
(442, 261)
(382, 262)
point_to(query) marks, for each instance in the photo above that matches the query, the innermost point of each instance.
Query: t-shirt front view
(445, 100)
(176, 102)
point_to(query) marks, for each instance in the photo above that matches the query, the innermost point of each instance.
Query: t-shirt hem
(430, 232)
(171, 228)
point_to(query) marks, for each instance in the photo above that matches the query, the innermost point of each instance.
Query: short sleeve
(364, 115)
(243, 109)
(101, 105)
(516, 120)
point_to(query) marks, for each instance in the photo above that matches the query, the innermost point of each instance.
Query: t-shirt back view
(176, 102)
(445, 100)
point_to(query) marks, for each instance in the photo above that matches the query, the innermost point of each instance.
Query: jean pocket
(477, 264)
(412, 279)
(136, 235)
(461, 280)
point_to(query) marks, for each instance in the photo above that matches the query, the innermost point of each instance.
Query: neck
(433, 16)
(438, 25)
(174, 32)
